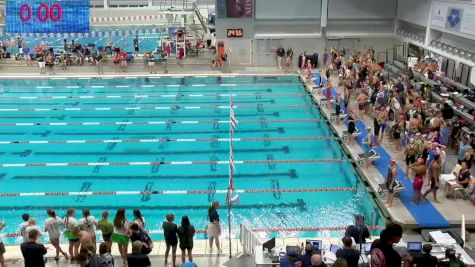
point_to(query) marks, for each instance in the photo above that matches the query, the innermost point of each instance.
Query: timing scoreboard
(47, 16)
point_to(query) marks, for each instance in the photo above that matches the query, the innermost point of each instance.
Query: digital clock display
(235, 33)
(47, 16)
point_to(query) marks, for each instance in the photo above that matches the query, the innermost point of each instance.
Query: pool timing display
(47, 16)
(235, 33)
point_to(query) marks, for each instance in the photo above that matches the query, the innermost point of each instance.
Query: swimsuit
(351, 127)
(418, 182)
(390, 183)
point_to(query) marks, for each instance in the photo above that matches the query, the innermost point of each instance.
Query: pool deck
(450, 209)
(398, 211)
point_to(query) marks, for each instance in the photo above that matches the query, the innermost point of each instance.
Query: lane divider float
(175, 108)
(163, 140)
(148, 122)
(155, 163)
(158, 85)
(178, 192)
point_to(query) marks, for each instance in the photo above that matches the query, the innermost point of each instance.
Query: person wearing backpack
(137, 234)
(382, 251)
(105, 258)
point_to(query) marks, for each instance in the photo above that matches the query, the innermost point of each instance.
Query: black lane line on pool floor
(280, 130)
(298, 204)
(292, 173)
(78, 103)
(135, 91)
(172, 109)
(178, 96)
(28, 152)
(148, 187)
(62, 117)
(85, 187)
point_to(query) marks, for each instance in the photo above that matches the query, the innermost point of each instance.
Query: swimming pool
(98, 126)
(121, 36)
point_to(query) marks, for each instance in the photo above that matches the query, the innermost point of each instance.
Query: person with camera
(452, 259)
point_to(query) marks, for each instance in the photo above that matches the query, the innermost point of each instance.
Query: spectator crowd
(401, 111)
(80, 231)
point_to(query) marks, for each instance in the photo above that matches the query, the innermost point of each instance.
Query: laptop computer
(334, 248)
(414, 249)
(316, 245)
(367, 247)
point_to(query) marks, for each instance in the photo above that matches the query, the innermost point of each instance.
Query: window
(464, 74)
(450, 73)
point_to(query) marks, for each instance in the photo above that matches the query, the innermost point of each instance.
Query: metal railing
(200, 17)
(175, 5)
(249, 240)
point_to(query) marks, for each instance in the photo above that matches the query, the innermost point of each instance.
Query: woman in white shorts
(71, 225)
(53, 227)
(214, 228)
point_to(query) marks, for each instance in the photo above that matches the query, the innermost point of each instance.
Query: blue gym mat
(425, 214)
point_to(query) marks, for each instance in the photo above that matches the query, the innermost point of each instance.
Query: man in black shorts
(136, 44)
(280, 56)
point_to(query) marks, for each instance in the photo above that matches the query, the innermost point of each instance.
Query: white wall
(361, 9)
(284, 9)
(414, 11)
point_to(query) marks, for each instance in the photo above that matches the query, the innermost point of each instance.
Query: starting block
(323, 102)
(333, 117)
(383, 189)
(372, 155)
(345, 137)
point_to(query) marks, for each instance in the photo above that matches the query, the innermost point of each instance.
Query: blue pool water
(258, 98)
